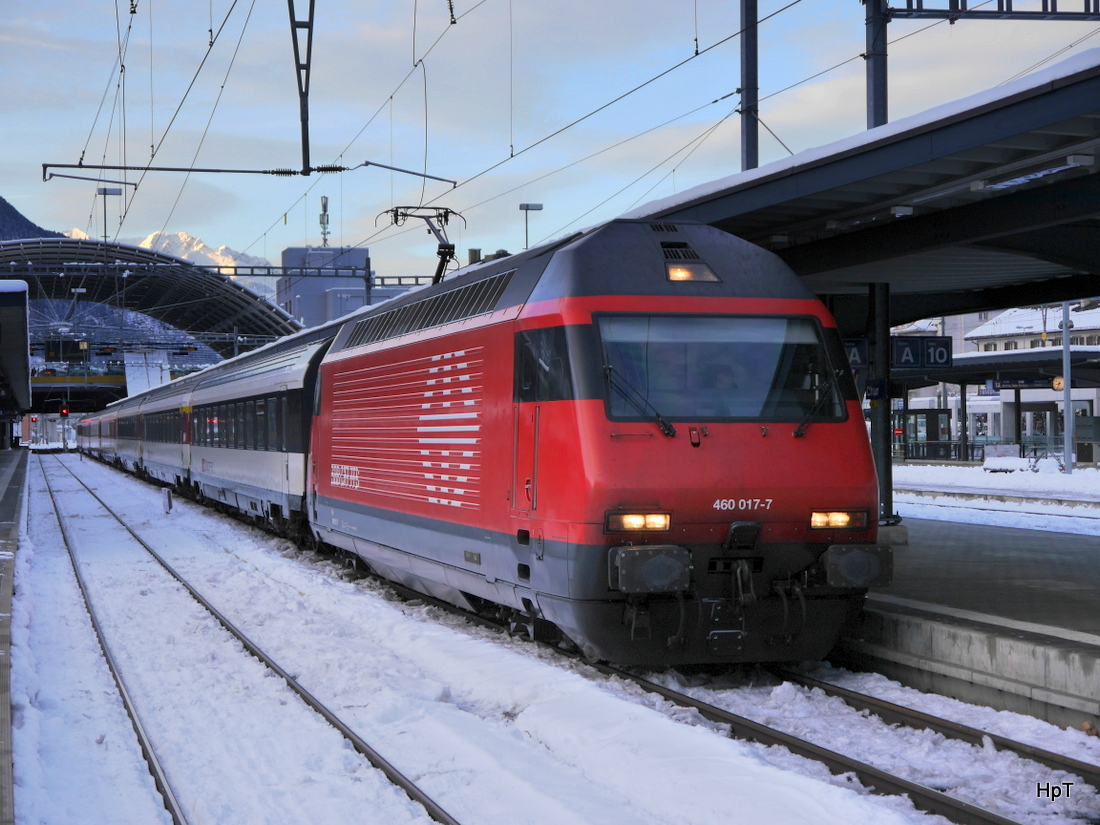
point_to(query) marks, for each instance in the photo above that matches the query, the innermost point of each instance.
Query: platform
(13, 472)
(1005, 617)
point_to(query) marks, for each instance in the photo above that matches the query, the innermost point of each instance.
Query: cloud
(493, 88)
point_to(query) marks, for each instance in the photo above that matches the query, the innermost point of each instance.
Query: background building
(991, 411)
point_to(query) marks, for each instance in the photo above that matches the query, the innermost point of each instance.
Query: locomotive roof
(627, 257)
(623, 257)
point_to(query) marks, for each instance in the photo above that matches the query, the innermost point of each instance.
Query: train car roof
(296, 342)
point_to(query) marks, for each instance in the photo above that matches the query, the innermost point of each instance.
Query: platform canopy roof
(988, 202)
(198, 300)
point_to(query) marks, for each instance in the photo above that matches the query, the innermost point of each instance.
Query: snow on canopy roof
(1028, 86)
(1029, 321)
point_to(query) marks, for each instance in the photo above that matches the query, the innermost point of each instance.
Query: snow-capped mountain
(189, 248)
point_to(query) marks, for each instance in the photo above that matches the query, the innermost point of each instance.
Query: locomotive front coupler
(797, 589)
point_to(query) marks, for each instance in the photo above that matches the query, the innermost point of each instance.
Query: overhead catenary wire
(512, 153)
(156, 148)
(769, 96)
(213, 111)
(1049, 58)
(118, 68)
(627, 94)
(697, 141)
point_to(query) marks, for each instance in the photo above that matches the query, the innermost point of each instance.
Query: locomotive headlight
(631, 522)
(689, 271)
(838, 520)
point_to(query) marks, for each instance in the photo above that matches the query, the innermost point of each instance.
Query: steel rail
(160, 779)
(899, 714)
(433, 809)
(876, 780)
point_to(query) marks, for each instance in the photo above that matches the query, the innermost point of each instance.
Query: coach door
(526, 468)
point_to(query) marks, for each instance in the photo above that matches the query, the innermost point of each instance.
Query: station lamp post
(527, 209)
(105, 191)
(1068, 422)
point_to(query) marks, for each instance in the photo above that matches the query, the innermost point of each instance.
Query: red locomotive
(643, 439)
(645, 436)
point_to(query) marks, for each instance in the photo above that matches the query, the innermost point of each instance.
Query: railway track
(149, 751)
(874, 779)
(899, 714)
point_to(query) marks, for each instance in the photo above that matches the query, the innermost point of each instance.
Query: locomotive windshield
(683, 367)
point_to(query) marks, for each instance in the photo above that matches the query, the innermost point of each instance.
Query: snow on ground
(1048, 484)
(996, 780)
(1047, 481)
(495, 730)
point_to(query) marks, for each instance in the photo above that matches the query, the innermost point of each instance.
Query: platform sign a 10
(921, 351)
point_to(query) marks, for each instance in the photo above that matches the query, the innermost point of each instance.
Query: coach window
(283, 438)
(261, 424)
(292, 432)
(272, 429)
(249, 424)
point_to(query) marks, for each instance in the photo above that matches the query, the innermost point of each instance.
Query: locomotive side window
(718, 367)
(542, 366)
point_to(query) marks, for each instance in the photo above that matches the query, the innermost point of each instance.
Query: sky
(498, 102)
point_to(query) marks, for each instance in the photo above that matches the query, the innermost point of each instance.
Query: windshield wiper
(624, 388)
(829, 392)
